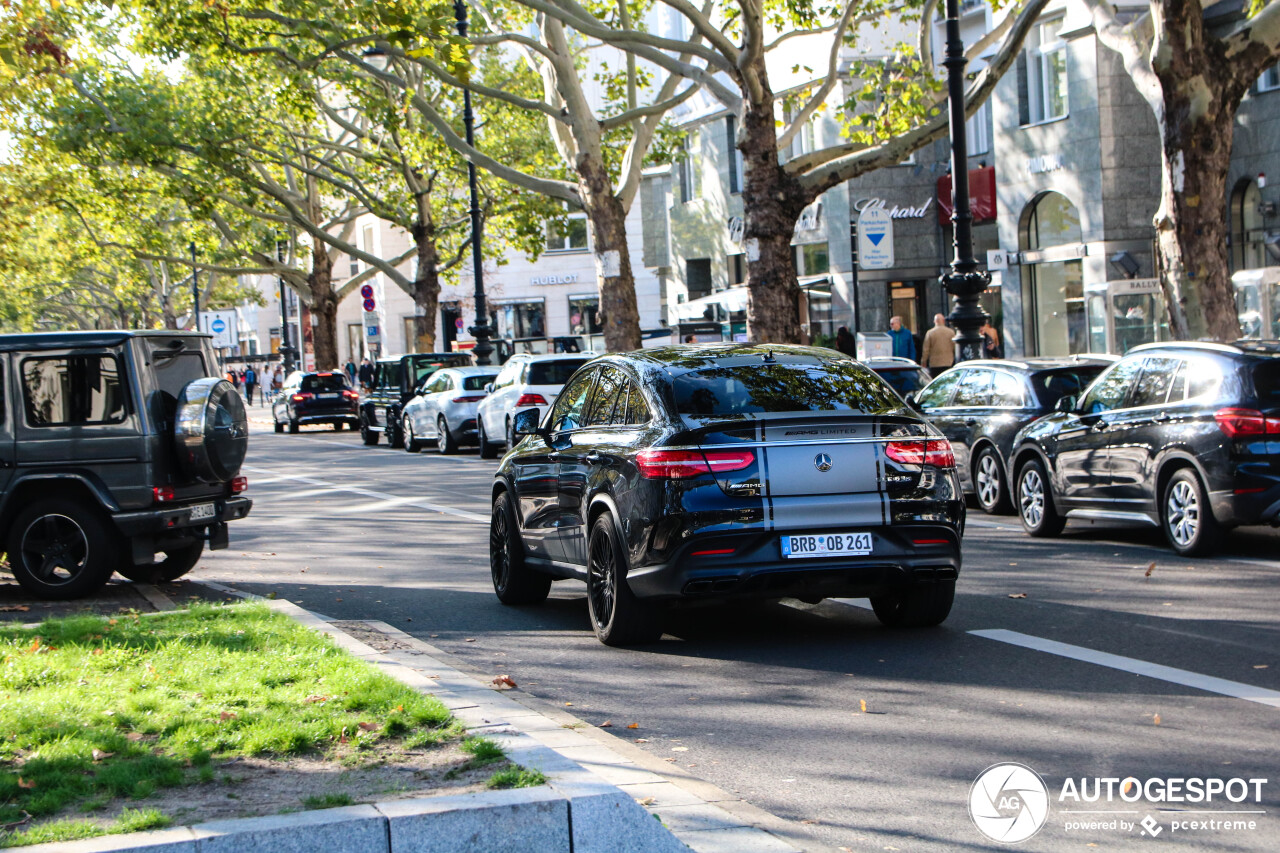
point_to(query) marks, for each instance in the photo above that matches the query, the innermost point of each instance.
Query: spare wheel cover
(211, 430)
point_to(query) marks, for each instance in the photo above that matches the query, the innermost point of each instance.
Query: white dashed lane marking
(322, 486)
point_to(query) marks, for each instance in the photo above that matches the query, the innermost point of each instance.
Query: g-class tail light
(1239, 423)
(531, 400)
(936, 452)
(239, 484)
(683, 464)
(162, 494)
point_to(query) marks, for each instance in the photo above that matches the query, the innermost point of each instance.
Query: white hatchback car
(444, 409)
(526, 382)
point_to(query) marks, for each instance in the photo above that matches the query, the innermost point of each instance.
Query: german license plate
(203, 511)
(826, 545)
(328, 396)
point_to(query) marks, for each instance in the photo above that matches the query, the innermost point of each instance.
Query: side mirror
(913, 403)
(1065, 404)
(488, 388)
(526, 423)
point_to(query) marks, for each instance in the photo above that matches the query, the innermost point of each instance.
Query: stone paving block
(664, 794)
(697, 816)
(181, 840)
(524, 819)
(739, 839)
(353, 829)
(612, 822)
(557, 738)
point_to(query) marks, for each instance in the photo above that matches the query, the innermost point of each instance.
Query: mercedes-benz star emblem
(822, 462)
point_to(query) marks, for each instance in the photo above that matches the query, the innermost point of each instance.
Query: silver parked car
(526, 382)
(444, 408)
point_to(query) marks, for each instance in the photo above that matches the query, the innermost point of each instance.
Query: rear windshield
(318, 382)
(477, 382)
(424, 367)
(1053, 385)
(905, 380)
(1266, 381)
(553, 372)
(772, 388)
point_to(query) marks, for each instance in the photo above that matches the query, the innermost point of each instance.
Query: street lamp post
(195, 288)
(286, 352)
(964, 280)
(480, 331)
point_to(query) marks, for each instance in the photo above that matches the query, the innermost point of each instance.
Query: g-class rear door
(7, 409)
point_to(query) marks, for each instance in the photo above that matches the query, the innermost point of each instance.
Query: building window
(978, 130)
(812, 259)
(1247, 228)
(582, 315)
(735, 156)
(521, 320)
(691, 167)
(737, 269)
(569, 235)
(1042, 75)
(1270, 79)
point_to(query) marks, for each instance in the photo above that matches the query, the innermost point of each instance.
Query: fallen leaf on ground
(228, 715)
(98, 755)
(1156, 719)
(25, 783)
(647, 801)
(863, 703)
(1259, 666)
(607, 724)
(641, 740)
(337, 599)
(808, 820)
(1017, 595)
(1151, 568)
(35, 646)
(668, 759)
(633, 725)
(368, 727)
(503, 682)
(14, 608)
(568, 704)
(1129, 785)
(97, 651)
(315, 697)
(469, 640)
(679, 749)
(137, 736)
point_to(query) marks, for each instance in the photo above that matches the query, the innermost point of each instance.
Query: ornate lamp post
(480, 331)
(964, 280)
(195, 288)
(286, 351)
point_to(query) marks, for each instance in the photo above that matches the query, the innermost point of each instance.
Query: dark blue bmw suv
(688, 473)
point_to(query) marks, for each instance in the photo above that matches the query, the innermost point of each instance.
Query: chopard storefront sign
(894, 212)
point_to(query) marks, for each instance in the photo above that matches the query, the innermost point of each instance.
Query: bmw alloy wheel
(1183, 508)
(988, 480)
(1031, 497)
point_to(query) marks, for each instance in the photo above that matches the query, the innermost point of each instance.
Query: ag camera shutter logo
(1009, 802)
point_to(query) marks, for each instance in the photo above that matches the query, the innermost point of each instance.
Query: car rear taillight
(932, 451)
(301, 398)
(1238, 423)
(351, 395)
(469, 399)
(531, 400)
(162, 494)
(239, 484)
(682, 464)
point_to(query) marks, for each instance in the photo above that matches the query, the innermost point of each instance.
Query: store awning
(733, 299)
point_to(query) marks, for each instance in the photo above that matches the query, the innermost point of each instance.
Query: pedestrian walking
(845, 342)
(250, 382)
(350, 370)
(939, 347)
(277, 381)
(904, 345)
(366, 374)
(991, 341)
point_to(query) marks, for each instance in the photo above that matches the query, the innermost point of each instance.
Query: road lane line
(1207, 683)
(379, 496)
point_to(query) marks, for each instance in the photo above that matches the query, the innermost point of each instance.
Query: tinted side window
(567, 413)
(325, 382)
(1006, 390)
(637, 408)
(554, 372)
(73, 390)
(477, 382)
(1157, 377)
(507, 376)
(1266, 383)
(1203, 378)
(939, 391)
(1053, 386)
(1111, 388)
(974, 389)
(604, 397)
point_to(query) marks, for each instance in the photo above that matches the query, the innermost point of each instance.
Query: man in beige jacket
(939, 351)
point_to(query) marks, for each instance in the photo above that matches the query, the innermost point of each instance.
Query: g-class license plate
(203, 511)
(826, 545)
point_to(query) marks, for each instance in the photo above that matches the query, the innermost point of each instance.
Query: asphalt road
(767, 701)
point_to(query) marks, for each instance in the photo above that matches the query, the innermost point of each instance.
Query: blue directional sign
(875, 239)
(217, 326)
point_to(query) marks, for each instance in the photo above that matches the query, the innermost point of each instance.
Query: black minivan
(727, 472)
(1183, 436)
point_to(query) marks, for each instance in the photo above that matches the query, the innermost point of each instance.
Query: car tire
(367, 434)
(279, 427)
(411, 442)
(1039, 516)
(513, 581)
(1187, 518)
(921, 605)
(294, 426)
(618, 617)
(445, 442)
(395, 438)
(52, 532)
(990, 486)
(176, 563)
(488, 449)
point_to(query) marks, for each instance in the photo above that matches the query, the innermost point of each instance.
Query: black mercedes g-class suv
(395, 381)
(118, 452)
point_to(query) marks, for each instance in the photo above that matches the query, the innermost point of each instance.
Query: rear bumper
(1236, 507)
(328, 416)
(153, 522)
(757, 569)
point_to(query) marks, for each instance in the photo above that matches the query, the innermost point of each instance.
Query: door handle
(1100, 426)
(971, 422)
(593, 457)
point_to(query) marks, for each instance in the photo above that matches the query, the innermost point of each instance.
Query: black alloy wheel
(368, 435)
(618, 617)
(989, 485)
(177, 562)
(921, 605)
(1040, 518)
(61, 549)
(1187, 518)
(488, 449)
(445, 442)
(513, 581)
